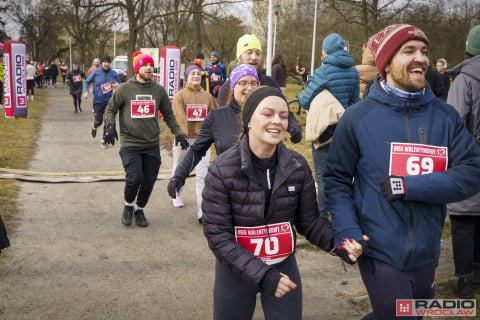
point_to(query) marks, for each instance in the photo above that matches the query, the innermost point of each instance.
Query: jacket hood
(470, 66)
(381, 96)
(459, 67)
(341, 59)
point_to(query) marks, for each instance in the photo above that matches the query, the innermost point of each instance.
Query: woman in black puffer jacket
(256, 194)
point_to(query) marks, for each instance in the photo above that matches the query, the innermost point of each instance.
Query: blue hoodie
(405, 234)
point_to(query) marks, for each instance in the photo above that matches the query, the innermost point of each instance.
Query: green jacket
(137, 105)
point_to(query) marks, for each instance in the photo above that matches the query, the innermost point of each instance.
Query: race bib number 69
(411, 159)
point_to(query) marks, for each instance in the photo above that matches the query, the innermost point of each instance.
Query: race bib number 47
(196, 112)
(410, 159)
(271, 243)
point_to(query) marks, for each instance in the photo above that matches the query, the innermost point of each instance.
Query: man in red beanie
(138, 102)
(397, 158)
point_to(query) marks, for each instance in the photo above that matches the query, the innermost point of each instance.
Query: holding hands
(350, 250)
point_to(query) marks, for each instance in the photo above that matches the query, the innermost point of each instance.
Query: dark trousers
(141, 166)
(234, 299)
(4, 243)
(465, 244)
(77, 100)
(99, 110)
(385, 284)
(31, 87)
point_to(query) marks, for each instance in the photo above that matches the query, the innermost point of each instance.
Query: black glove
(174, 186)
(393, 188)
(110, 133)
(343, 253)
(182, 141)
(270, 281)
(296, 134)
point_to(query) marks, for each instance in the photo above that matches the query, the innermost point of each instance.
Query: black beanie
(254, 99)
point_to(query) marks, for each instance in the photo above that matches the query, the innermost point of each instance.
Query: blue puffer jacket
(405, 234)
(99, 77)
(339, 76)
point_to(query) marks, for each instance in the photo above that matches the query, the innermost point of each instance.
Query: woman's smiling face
(269, 122)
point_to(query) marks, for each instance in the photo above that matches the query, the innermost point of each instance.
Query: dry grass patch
(17, 146)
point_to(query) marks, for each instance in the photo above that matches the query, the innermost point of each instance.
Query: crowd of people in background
(389, 219)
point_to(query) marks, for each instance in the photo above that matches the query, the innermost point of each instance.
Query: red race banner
(15, 80)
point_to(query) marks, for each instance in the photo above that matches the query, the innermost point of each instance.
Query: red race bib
(196, 112)
(271, 246)
(106, 87)
(77, 78)
(142, 108)
(215, 77)
(411, 159)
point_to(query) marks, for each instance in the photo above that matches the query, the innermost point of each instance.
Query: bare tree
(370, 15)
(87, 25)
(4, 7)
(40, 28)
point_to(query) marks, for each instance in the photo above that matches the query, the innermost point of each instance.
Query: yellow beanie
(246, 42)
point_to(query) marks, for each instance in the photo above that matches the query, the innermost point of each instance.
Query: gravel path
(71, 258)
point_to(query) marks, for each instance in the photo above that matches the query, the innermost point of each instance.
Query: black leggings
(77, 100)
(234, 299)
(465, 244)
(99, 110)
(141, 166)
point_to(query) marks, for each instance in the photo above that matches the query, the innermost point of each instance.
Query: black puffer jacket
(233, 197)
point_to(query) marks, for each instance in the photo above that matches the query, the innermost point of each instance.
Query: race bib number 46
(410, 159)
(143, 108)
(271, 243)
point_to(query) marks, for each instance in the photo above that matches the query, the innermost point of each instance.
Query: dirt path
(71, 258)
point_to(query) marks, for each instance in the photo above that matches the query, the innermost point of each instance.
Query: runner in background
(137, 103)
(191, 106)
(104, 80)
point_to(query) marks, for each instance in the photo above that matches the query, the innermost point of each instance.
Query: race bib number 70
(411, 159)
(271, 243)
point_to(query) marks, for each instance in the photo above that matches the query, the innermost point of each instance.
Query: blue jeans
(319, 157)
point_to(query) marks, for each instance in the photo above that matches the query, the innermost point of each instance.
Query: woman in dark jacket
(221, 126)
(256, 195)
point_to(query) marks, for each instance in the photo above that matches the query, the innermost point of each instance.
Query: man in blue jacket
(104, 81)
(397, 158)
